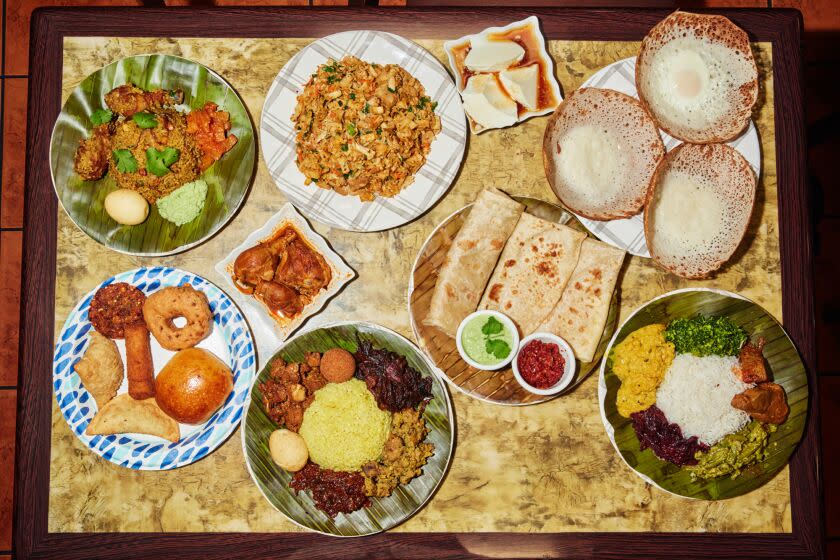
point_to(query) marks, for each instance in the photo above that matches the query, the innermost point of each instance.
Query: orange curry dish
(209, 127)
(283, 272)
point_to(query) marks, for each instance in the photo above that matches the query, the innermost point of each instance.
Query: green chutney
(475, 342)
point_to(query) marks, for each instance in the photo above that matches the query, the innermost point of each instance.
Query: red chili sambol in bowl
(348, 431)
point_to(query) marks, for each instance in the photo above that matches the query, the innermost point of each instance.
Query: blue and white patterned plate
(230, 340)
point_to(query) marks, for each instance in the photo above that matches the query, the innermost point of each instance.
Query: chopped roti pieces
(698, 208)
(697, 76)
(600, 150)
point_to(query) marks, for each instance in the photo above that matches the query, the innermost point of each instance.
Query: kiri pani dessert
(504, 75)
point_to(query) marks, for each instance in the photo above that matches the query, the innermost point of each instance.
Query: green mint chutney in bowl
(487, 340)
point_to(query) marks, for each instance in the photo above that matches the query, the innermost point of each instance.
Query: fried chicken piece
(128, 99)
(254, 264)
(764, 403)
(93, 153)
(751, 368)
(303, 269)
(279, 298)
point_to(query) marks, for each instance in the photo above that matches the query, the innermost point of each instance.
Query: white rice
(696, 394)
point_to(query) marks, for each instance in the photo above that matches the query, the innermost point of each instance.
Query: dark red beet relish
(665, 439)
(541, 364)
(333, 492)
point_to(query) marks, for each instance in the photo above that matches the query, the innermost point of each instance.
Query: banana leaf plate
(383, 513)
(228, 179)
(785, 368)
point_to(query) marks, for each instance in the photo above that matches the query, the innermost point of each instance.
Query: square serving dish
(529, 26)
(269, 330)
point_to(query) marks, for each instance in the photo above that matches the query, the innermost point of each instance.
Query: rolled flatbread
(123, 415)
(532, 271)
(581, 313)
(471, 259)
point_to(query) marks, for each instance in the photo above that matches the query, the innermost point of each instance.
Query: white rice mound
(696, 394)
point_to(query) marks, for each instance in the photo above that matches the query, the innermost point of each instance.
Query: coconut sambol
(350, 425)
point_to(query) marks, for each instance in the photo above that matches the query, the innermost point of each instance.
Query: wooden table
(32, 535)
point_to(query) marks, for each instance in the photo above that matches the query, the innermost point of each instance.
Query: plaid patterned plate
(629, 233)
(348, 212)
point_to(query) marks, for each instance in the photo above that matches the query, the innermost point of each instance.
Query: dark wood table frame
(35, 396)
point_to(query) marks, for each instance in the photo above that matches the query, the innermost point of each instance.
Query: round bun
(600, 150)
(338, 365)
(698, 208)
(696, 74)
(288, 450)
(193, 385)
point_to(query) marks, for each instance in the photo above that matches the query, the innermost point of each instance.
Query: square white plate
(268, 331)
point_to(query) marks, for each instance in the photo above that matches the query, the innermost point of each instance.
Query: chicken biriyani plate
(703, 394)
(152, 154)
(378, 130)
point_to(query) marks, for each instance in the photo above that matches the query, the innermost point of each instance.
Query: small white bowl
(565, 351)
(502, 318)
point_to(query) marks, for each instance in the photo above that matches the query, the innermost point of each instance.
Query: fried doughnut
(167, 304)
(114, 306)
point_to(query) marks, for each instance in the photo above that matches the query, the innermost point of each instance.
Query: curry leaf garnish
(158, 161)
(101, 116)
(125, 161)
(144, 120)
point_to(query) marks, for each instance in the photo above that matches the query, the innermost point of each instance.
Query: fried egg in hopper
(698, 208)
(600, 151)
(697, 76)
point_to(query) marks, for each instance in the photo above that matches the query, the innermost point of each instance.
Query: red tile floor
(822, 75)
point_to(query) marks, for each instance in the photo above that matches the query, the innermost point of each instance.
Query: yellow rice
(343, 428)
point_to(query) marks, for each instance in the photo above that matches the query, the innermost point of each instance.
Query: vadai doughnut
(114, 306)
(166, 305)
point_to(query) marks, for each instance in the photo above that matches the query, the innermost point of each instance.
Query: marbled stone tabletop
(543, 468)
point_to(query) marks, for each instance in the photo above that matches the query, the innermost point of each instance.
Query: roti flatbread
(532, 271)
(471, 259)
(122, 414)
(581, 313)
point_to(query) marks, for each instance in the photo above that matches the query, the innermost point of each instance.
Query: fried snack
(138, 360)
(167, 304)
(114, 306)
(123, 415)
(193, 385)
(100, 369)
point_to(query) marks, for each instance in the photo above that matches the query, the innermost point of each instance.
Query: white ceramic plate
(268, 332)
(431, 181)
(629, 233)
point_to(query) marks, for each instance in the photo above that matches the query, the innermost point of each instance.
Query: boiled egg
(487, 103)
(522, 84)
(126, 207)
(492, 55)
